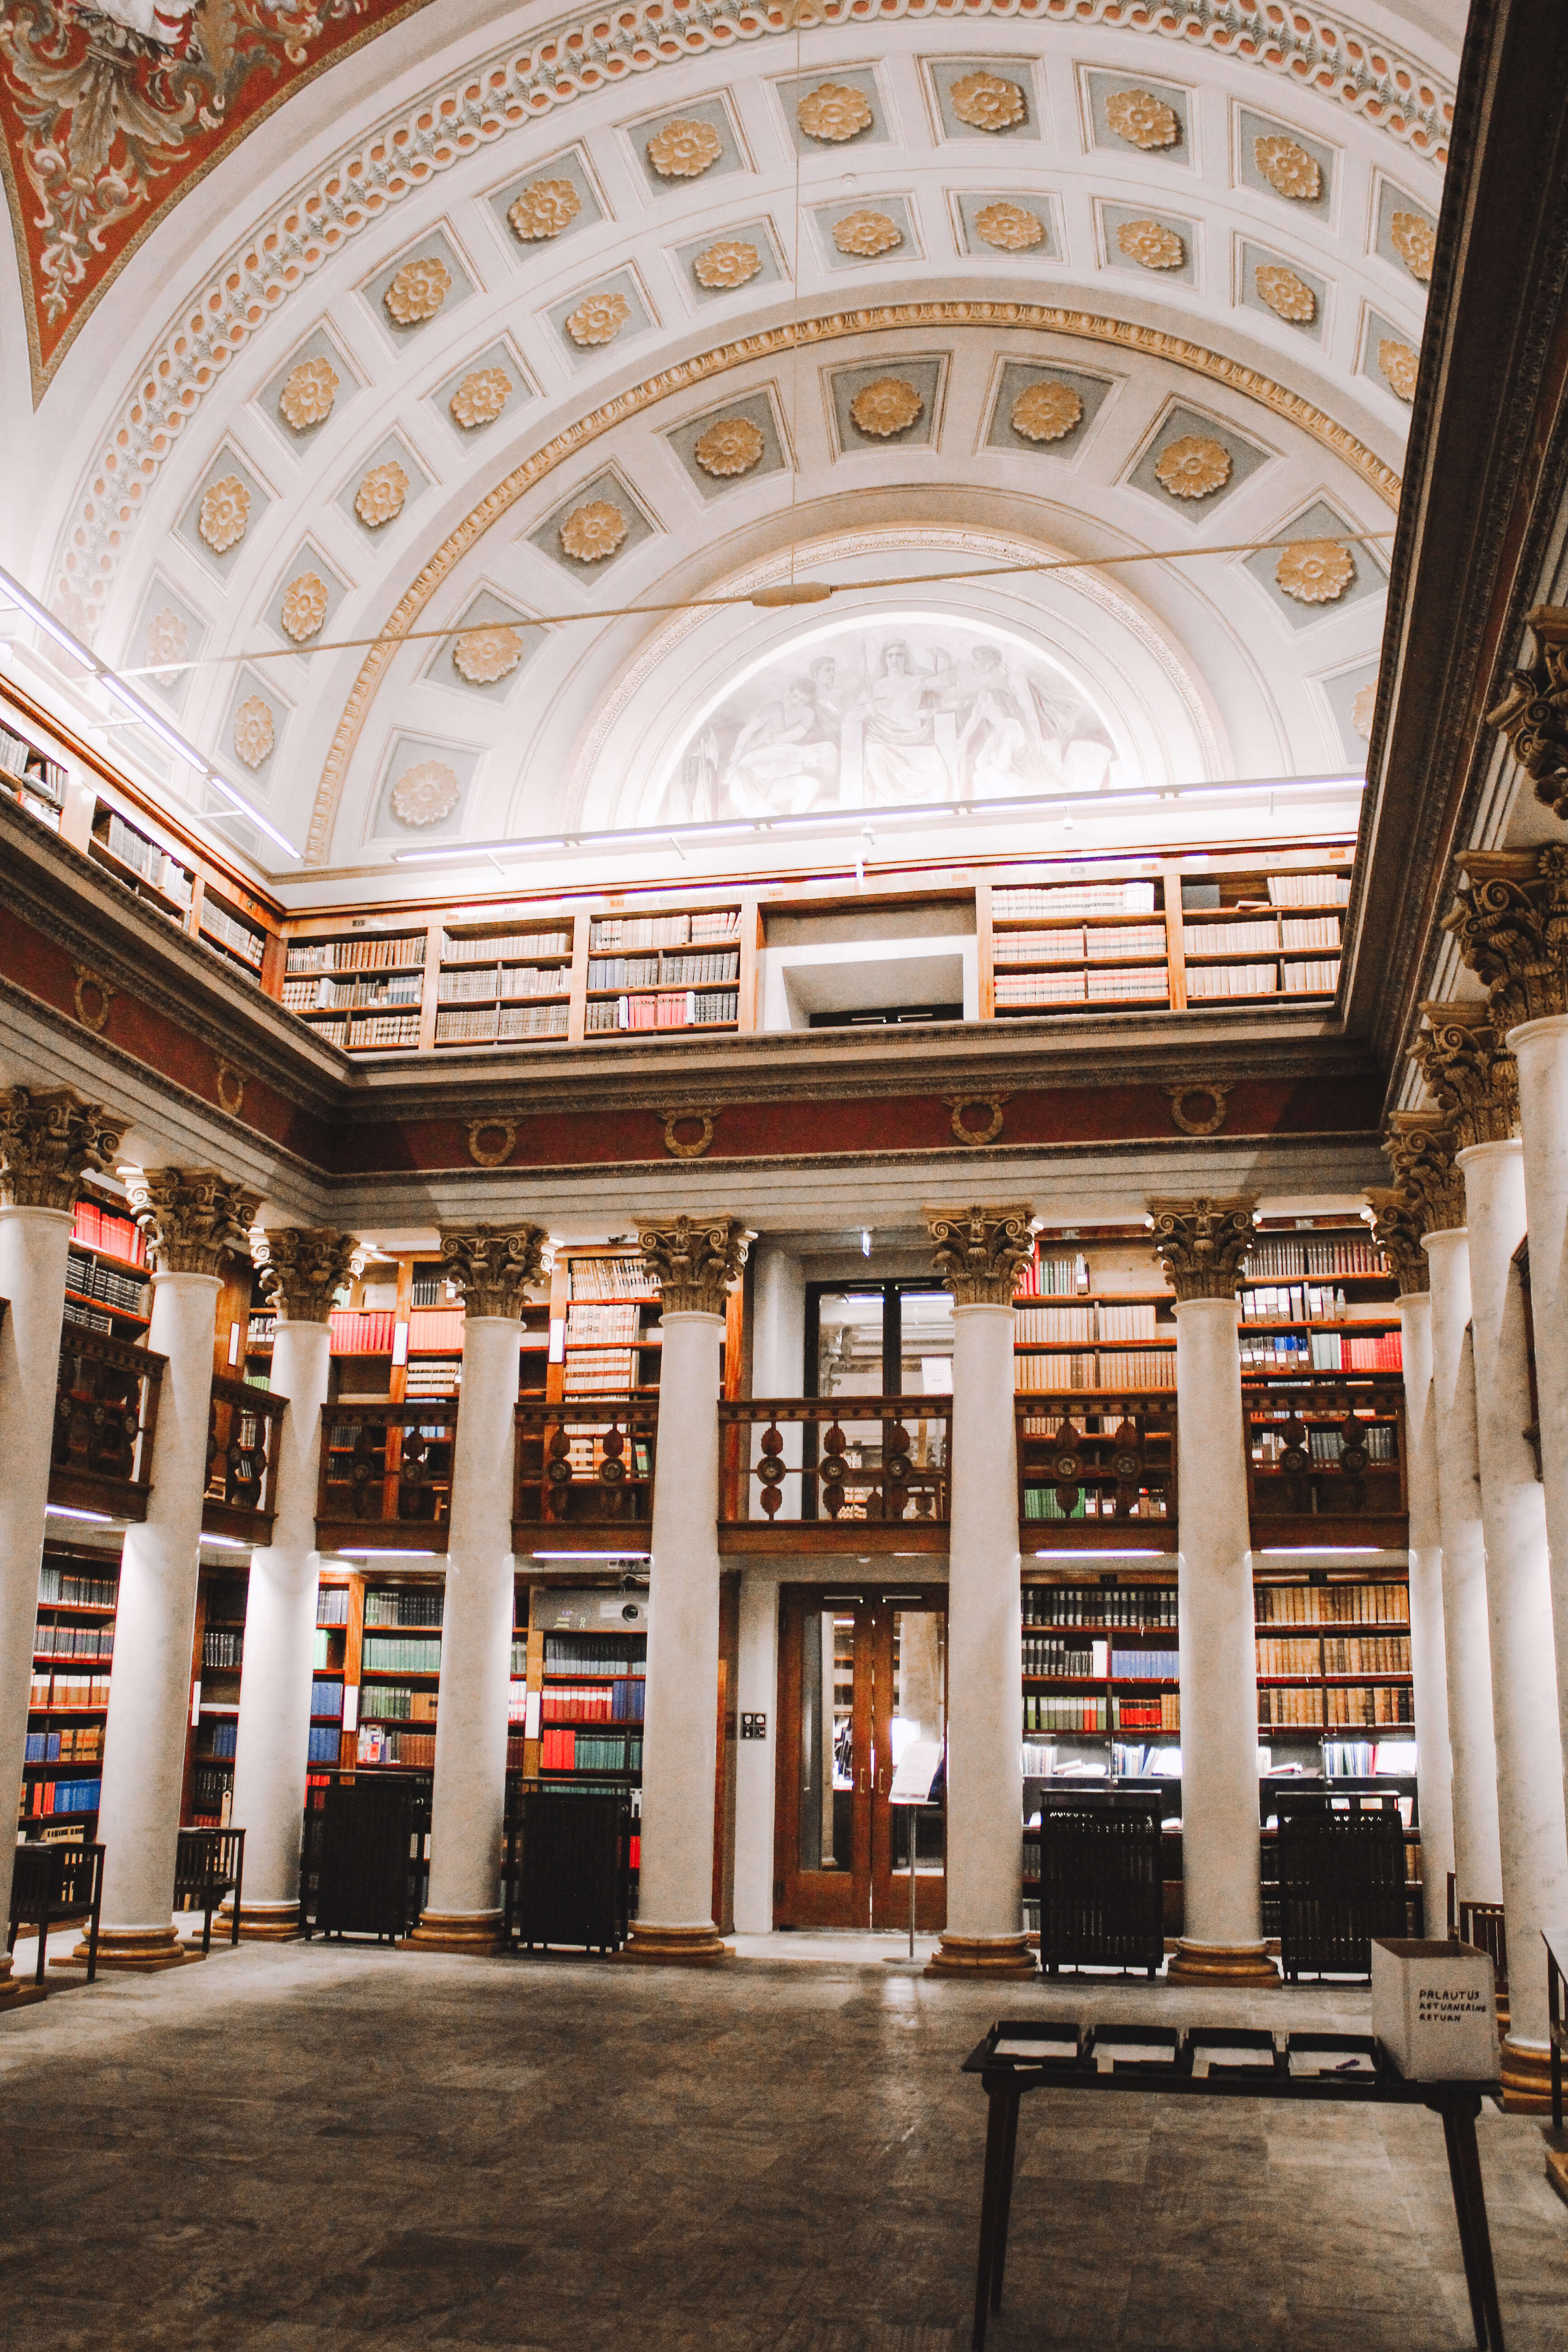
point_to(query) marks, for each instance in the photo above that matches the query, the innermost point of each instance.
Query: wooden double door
(862, 1673)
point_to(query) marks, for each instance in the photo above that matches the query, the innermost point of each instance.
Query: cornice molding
(579, 55)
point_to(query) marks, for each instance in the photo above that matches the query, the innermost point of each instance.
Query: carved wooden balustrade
(243, 1426)
(106, 1408)
(834, 1474)
(386, 1475)
(585, 1468)
(1095, 1470)
(1328, 1449)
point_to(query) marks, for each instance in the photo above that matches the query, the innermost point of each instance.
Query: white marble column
(978, 1252)
(48, 1141)
(696, 1260)
(756, 1692)
(494, 1266)
(1202, 1244)
(1429, 1664)
(1541, 1048)
(301, 1270)
(190, 1221)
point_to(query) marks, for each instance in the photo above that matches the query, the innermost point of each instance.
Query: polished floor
(284, 2149)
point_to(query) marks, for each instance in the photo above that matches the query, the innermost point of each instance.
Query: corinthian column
(1202, 1244)
(1473, 1080)
(192, 1222)
(494, 1265)
(301, 1271)
(48, 1143)
(1398, 1231)
(696, 1261)
(978, 1252)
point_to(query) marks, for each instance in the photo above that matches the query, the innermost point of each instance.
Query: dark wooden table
(1006, 2079)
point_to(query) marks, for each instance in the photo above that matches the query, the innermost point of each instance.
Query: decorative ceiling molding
(578, 56)
(885, 318)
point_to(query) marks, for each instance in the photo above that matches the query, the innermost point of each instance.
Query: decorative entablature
(1202, 1244)
(1511, 926)
(1470, 1073)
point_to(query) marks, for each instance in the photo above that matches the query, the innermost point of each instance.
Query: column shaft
(279, 1645)
(1477, 1853)
(1542, 1049)
(1519, 1607)
(463, 1913)
(755, 1759)
(1428, 1669)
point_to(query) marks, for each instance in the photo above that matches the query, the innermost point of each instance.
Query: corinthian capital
(1397, 1228)
(193, 1220)
(302, 1268)
(978, 1252)
(694, 1260)
(48, 1143)
(1471, 1074)
(493, 1265)
(1510, 925)
(1533, 713)
(1202, 1244)
(1419, 1146)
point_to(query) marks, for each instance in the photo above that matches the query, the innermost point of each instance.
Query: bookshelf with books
(1333, 1670)
(1317, 1299)
(217, 1663)
(1251, 934)
(106, 1270)
(579, 1674)
(1076, 945)
(36, 779)
(677, 968)
(68, 1703)
(363, 990)
(142, 864)
(1097, 1319)
(607, 1307)
(335, 1670)
(232, 931)
(499, 983)
(399, 1675)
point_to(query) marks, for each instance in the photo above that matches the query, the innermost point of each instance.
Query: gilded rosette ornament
(1192, 467)
(50, 1139)
(1533, 713)
(480, 397)
(1202, 1244)
(1397, 1228)
(833, 112)
(418, 290)
(987, 102)
(732, 445)
(726, 265)
(1400, 365)
(1142, 118)
(1414, 240)
(493, 1265)
(866, 235)
(1289, 169)
(591, 533)
(1471, 1074)
(980, 1252)
(1011, 228)
(191, 1220)
(1046, 411)
(1511, 926)
(487, 653)
(1364, 709)
(684, 150)
(1419, 1146)
(223, 514)
(696, 1261)
(380, 497)
(544, 208)
(888, 406)
(425, 793)
(308, 394)
(1315, 571)
(302, 1268)
(1288, 296)
(598, 319)
(305, 607)
(254, 738)
(1152, 245)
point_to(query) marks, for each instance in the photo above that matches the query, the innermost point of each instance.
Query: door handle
(865, 1776)
(882, 1783)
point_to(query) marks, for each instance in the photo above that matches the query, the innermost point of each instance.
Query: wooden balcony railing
(1095, 1472)
(386, 1475)
(834, 1474)
(1328, 1449)
(244, 1425)
(583, 1468)
(106, 1409)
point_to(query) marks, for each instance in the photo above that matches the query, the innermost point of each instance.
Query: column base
(136, 1949)
(15, 1992)
(478, 1933)
(982, 1957)
(676, 1947)
(259, 1923)
(1222, 1964)
(1557, 2170)
(1526, 2077)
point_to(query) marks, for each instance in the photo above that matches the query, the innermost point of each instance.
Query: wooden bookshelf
(677, 968)
(217, 1657)
(106, 1271)
(32, 776)
(399, 1673)
(497, 983)
(1334, 1659)
(1076, 945)
(1274, 933)
(364, 989)
(1096, 1319)
(1317, 1298)
(68, 1703)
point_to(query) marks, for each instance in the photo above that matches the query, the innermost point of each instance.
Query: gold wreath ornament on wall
(965, 1129)
(1207, 1091)
(687, 1147)
(502, 1135)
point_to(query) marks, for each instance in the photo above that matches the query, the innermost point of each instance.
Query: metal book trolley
(365, 1864)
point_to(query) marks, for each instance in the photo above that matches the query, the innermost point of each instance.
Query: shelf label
(530, 1717)
(400, 1344)
(195, 1704)
(351, 1706)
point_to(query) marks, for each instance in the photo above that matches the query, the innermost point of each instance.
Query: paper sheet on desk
(1063, 2046)
(1205, 2061)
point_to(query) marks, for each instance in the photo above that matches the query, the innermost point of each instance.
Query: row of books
(1145, 1666)
(405, 1604)
(57, 1691)
(1212, 979)
(326, 1697)
(600, 1371)
(1141, 1370)
(1261, 935)
(1115, 984)
(611, 1277)
(329, 996)
(1039, 1325)
(83, 1743)
(70, 1588)
(582, 1751)
(1139, 1760)
(1071, 943)
(398, 1703)
(1042, 1714)
(503, 947)
(46, 1797)
(332, 1605)
(432, 1375)
(619, 933)
(95, 1279)
(594, 1325)
(1052, 1277)
(685, 1009)
(356, 955)
(476, 983)
(147, 858)
(1292, 1302)
(1047, 1654)
(1358, 1759)
(1383, 1352)
(662, 970)
(1158, 1712)
(1358, 1653)
(377, 1745)
(1380, 1703)
(355, 1333)
(387, 1655)
(1014, 903)
(367, 1030)
(322, 1654)
(88, 1318)
(222, 1649)
(587, 1654)
(1308, 889)
(20, 758)
(106, 1229)
(54, 1641)
(324, 1744)
(500, 1024)
(222, 1739)
(1326, 1260)
(1112, 1605)
(218, 924)
(1332, 1604)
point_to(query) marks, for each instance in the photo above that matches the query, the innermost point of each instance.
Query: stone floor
(288, 2149)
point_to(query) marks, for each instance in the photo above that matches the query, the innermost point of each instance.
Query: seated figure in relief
(897, 711)
(782, 761)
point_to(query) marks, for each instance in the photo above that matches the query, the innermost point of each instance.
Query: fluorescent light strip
(356, 1552)
(230, 1543)
(142, 713)
(606, 1559)
(63, 1511)
(1105, 1555)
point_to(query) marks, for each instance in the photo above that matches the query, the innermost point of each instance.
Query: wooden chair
(1483, 1924)
(59, 1884)
(209, 1865)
